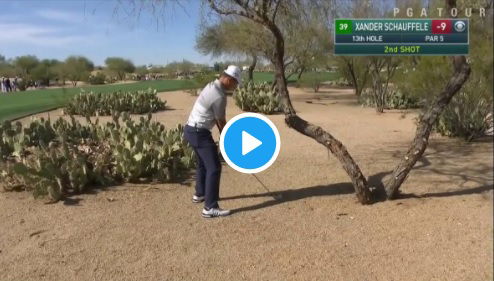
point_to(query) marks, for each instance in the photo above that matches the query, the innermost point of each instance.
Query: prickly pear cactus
(257, 98)
(145, 150)
(66, 156)
(97, 104)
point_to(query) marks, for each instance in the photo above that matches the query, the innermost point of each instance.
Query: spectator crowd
(7, 85)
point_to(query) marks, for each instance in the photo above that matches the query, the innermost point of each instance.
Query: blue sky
(59, 28)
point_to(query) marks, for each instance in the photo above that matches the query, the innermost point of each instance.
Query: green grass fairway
(321, 76)
(263, 76)
(268, 77)
(20, 104)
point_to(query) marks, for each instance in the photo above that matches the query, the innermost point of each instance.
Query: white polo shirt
(209, 106)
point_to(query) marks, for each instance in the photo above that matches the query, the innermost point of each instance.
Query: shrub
(92, 104)
(340, 82)
(98, 79)
(257, 98)
(83, 155)
(400, 100)
(396, 100)
(467, 116)
(22, 85)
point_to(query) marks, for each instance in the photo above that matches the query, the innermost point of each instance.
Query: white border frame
(276, 150)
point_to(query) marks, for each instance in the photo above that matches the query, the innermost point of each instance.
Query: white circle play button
(250, 143)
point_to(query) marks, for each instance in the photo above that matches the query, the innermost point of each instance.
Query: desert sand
(440, 229)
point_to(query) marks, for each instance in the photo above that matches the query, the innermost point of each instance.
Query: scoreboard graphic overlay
(401, 37)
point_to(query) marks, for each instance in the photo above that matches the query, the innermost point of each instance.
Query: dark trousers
(208, 171)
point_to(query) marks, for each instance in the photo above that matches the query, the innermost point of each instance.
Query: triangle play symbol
(249, 143)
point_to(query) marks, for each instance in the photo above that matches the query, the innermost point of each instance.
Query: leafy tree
(61, 73)
(119, 66)
(77, 68)
(45, 71)
(25, 65)
(6, 69)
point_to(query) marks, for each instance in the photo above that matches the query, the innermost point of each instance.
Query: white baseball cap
(235, 72)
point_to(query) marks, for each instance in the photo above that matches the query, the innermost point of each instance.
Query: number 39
(343, 26)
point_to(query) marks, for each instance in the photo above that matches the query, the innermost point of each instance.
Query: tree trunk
(315, 132)
(302, 69)
(121, 76)
(356, 89)
(427, 120)
(252, 66)
(360, 184)
(362, 84)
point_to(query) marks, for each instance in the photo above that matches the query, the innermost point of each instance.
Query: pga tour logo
(424, 12)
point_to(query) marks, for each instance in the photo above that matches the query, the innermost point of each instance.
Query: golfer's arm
(220, 123)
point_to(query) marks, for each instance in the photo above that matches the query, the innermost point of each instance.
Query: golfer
(209, 110)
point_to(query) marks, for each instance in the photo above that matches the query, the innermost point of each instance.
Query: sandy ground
(442, 229)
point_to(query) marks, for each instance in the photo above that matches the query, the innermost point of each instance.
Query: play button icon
(250, 143)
